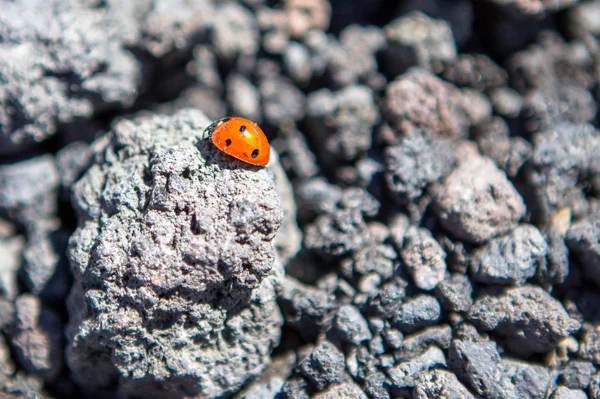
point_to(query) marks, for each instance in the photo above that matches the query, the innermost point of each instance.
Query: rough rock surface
(424, 258)
(564, 156)
(418, 160)
(419, 99)
(583, 238)
(34, 59)
(510, 259)
(477, 202)
(169, 294)
(531, 319)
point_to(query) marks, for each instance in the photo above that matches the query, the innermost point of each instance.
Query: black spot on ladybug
(228, 142)
(254, 153)
(243, 128)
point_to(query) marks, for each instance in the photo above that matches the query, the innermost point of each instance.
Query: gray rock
(172, 258)
(418, 160)
(533, 7)
(282, 101)
(288, 240)
(566, 393)
(342, 121)
(494, 141)
(7, 367)
(204, 68)
(506, 102)
(344, 229)
(455, 293)
(406, 374)
(594, 390)
(369, 374)
(45, 268)
(36, 336)
(578, 374)
(563, 156)
(477, 202)
(72, 160)
(236, 32)
(478, 364)
(511, 259)
(387, 300)
(343, 390)
(589, 346)
(475, 71)
(7, 313)
(295, 155)
(28, 189)
(323, 366)
(440, 384)
(306, 308)
(415, 344)
(424, 258)
(375, 258)
(270, 382)
(316, 196)
(350, 326)
(168, 26)
(297, 62)
(550, 62)
(416, 39)
(418, 312)
(557, 266)
(583, 239)
(23, 386)
(50, 75)
(583, 19)
(543, 109)
(418, 99)
(531, 381)
(243, 97)
(354, 59)
(531, 319)
(11, 252)
(205, 100)
(294, 388)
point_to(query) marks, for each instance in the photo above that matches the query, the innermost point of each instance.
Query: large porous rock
(477, 202)
(174, 264)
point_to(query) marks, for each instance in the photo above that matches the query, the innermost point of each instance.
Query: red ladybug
(242, 139)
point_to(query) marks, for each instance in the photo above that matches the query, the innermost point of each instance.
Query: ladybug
(241, 138)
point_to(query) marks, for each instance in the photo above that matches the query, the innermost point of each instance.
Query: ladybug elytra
(240, 138)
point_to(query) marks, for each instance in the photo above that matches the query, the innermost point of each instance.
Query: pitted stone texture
(58, 60)
(416, 39)
(510, 259)
(531, 319)
(583, 239)
(419, 99)
(477, 202)
(424, 258)
(36, 336)
(174, 240)
(440, 384)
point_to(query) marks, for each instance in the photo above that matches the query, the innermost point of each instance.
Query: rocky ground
(428, 227)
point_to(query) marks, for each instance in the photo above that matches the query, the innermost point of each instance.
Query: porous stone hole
(195, 226)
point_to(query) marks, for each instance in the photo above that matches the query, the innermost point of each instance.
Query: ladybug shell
(242, 139)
